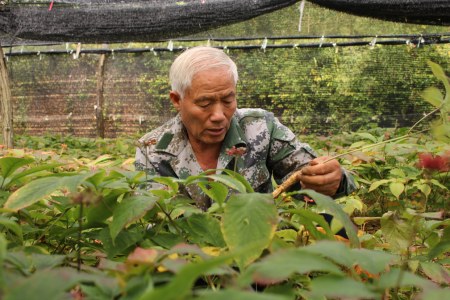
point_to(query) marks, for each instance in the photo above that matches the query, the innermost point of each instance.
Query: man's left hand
(322, 177)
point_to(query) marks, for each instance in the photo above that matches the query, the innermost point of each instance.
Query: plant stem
(80, 229)
(423, 118)
(170, 219)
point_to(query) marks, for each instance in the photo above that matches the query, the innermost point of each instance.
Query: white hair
(195, 60)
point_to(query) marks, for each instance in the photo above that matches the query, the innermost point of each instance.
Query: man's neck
(207, 155)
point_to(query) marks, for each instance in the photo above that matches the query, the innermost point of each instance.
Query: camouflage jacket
(271, 149)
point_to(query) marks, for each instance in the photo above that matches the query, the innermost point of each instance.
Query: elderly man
(209, 123)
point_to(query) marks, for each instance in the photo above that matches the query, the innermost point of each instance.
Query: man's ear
(176, 99)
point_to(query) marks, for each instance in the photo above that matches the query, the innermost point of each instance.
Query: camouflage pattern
(271, 149)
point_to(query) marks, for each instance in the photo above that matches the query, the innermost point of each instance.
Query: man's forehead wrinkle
(213, 97)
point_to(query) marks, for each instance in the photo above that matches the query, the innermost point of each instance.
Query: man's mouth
(216, 131)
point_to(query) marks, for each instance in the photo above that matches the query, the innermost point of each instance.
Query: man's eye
(203, 104)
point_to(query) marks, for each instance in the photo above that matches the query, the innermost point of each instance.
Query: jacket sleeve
(287, 155)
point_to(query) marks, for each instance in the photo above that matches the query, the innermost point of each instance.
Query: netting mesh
(415, 11)
(313, 90)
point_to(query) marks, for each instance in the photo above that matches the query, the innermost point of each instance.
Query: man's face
(207, 107)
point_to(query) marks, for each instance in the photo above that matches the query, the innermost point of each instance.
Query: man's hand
(322, 177)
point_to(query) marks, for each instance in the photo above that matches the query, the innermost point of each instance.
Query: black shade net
(434, 12)
(96, 21)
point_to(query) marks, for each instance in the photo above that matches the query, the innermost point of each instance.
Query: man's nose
(218, 114)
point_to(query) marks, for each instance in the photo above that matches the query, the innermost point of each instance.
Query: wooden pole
(6, 107)
(100, 98)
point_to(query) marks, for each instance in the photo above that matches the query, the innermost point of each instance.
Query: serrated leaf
(249, 217)
(396, 188)
(43, 187)
(52, 284)
(436, 272)
(281, 265)
(336, 287)
(128, 211)
(402, 278)
(397, 232)
(205, 229)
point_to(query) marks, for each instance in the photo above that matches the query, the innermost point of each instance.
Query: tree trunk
(100, 98)
(6, 107)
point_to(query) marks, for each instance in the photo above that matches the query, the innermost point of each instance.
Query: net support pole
(6, 106)
(100, 97)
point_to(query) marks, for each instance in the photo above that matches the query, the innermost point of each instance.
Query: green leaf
(425, 189)
(333, 287)
(204, 229)
(396, 188)
(43, 187)
(329, 206)
(51, 284)
(168, 181)
(103, 209)
(241, 179)
(9, 164)
(30, 171)
(124, 240)
(440, 248)
(373, 261)
(437, 71)
(443, 293)
(370, 260)
(309, 219)
(215, 190)
(13, 226)
(334, 250)
(397, 232)
(438, 184)
(399, 173)
(128, 211)
(367, 136)
(433, 96)
(249, 218)
(378, 183)
(283, 264)
(229, 181)
(180, 285)
(3, 253)
(436, 272)
(239, 295)
(402, 278)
